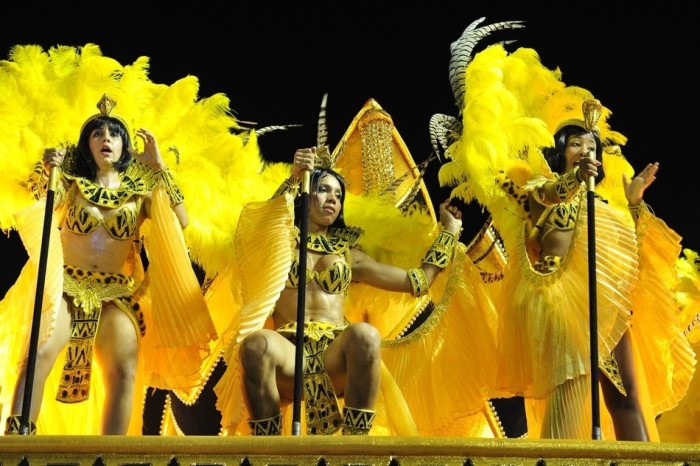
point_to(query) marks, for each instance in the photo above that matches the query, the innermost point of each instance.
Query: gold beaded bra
(336, 278)
(87, 201)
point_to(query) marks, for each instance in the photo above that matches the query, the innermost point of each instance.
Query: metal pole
(38, 302)
(593, 307)
(301, 305)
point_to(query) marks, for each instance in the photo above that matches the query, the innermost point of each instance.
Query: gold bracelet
(419, 282)
(636, 210)
(166, 179)
(440, 252)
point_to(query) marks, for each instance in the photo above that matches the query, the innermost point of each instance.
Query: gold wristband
(164, 178)
(290, 185)
(636, 210)
(440, 252)
(419, 282)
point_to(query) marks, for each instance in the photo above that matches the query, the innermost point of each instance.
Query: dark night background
(275, 60)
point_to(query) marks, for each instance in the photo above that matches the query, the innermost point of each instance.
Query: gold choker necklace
(336, 241)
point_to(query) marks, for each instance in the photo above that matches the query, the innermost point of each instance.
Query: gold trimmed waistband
(90, 289)
(312, 330)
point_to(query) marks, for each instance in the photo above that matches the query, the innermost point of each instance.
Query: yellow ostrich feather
(498, 133)
(513, 105)
(48, 94)
(387, 240)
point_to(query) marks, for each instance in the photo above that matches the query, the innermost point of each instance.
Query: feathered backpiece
(511, 107)
(444, 129)
(45, 96)
(388, 199)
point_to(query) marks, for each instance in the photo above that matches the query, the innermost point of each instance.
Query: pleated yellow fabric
(664, 352)
(179, 327)
(682, 423)
(17, 306)
(546, 315)
(264, 247)
(446, 366)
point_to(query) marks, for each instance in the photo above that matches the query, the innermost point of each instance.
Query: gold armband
(164, 178)
(567, 185)
(419, 281)
(290, 185)
(440, 251)
(636, 210)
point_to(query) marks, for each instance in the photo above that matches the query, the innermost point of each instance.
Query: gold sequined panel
(567, 185)
(77, 369)
(322, 412)
(335, 279)
(357, 421)
(610, 369)
(90, 288)
(269, 426)
(138, 179)
(377, 155)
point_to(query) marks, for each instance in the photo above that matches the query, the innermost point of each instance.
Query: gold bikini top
(83, 218)
(336, 278)
(86, 201)
(560, 217)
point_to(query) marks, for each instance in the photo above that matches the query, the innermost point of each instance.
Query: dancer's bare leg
(353, 361)
(268, 361)
(626, 411)
(116, 348)
(47, 352)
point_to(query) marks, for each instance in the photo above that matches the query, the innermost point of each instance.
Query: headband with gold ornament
(592, 110)
(105, 105)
